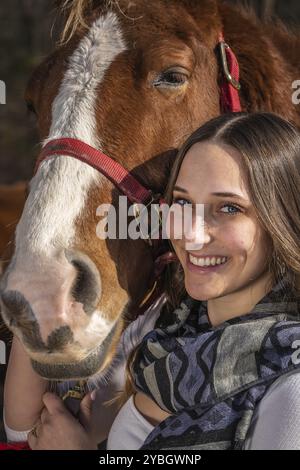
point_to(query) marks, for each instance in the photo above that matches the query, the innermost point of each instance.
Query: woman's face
(232, 246)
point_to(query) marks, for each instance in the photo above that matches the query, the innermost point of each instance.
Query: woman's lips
(204, 269)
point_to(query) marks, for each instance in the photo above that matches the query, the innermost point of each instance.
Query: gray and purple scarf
(212, 378)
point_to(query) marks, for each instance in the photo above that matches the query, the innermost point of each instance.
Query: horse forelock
(77, 14)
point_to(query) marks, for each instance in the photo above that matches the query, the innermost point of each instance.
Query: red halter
(111, 169)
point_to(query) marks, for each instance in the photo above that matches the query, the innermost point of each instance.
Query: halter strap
(110, 168)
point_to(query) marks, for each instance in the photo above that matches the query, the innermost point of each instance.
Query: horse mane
(76, 12)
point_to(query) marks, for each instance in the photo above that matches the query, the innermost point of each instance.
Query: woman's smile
(205, 264)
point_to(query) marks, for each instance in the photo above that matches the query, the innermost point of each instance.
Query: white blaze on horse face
(58, 191)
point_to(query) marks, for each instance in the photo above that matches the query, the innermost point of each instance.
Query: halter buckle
(229, 77)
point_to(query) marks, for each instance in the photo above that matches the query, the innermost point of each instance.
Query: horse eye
(169, 78)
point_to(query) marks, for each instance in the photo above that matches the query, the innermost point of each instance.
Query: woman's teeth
(213, 261)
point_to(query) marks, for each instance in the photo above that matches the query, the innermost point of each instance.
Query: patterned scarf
(212, 378)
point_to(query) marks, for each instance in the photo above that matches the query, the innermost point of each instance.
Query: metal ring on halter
(230, 78)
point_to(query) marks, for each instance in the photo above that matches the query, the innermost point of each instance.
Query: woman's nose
(197, 232)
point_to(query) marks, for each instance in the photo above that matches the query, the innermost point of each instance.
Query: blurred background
(28, 32)
(25, 39)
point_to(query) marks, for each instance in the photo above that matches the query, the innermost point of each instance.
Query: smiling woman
(229, 344)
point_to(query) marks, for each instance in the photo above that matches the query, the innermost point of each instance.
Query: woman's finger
(53, 403)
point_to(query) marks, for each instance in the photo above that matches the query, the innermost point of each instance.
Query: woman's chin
(201, 292)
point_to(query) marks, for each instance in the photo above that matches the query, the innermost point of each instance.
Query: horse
(132, 79)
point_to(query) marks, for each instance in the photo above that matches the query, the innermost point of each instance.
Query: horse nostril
(87, 287)
(17, 314)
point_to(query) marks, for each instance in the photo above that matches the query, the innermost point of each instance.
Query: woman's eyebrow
(218, 194)
(228, 194)
(225, 194)
(178, 188)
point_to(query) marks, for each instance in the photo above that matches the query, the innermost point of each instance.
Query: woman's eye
(232, 210)
(181, 201)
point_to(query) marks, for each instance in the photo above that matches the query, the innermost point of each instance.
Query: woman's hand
(57, 429)
(23, 390)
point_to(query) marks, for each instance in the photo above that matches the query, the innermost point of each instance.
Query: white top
(275, 425)
(276, 422)
(135, 425)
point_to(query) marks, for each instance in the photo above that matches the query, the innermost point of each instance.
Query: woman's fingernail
(93, 395)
